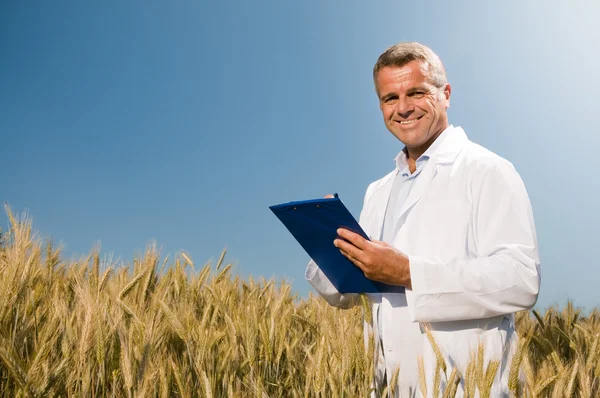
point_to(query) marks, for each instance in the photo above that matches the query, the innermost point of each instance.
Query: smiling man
(452, 224)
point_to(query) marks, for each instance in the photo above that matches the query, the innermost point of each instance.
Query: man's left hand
(378, 260)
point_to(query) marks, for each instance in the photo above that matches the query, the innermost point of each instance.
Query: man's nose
(404, 107)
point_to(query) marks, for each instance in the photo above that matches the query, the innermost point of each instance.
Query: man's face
(413, 109)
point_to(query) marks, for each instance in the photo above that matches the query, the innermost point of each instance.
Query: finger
(329, 196)
(354, 260)
(348, 248)
(352, 237)
(380, 243)
(343, 245)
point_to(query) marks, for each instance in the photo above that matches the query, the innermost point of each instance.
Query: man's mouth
(410, 121)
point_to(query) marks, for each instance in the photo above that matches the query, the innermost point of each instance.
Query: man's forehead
(402, 72)
(405, 77)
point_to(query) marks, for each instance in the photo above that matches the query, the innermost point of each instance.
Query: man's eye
(390, 100)
(417, 94)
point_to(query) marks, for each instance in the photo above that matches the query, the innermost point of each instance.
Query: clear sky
(124, 122)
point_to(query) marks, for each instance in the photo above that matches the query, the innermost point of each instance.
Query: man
(452, 223)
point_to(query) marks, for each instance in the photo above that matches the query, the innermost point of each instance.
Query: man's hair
(403, 53)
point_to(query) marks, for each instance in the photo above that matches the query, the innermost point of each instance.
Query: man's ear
(447, 92)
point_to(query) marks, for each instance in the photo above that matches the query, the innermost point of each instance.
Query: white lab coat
(470, 237)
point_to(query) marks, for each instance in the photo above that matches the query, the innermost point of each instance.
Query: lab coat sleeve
(323, 285)
(503, 275)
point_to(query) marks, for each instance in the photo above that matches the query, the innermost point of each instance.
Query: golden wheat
(96, 328)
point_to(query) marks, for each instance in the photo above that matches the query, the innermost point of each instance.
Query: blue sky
(124, 122)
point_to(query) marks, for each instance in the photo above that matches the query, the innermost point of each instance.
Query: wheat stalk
(452, 385)
(422, 377)
(129, 287)
(513, 377)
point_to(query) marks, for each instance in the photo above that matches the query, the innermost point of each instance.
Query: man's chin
(410, 138)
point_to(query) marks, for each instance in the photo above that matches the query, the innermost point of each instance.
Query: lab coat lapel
(446, 153)
(420, 187)
(380, 199)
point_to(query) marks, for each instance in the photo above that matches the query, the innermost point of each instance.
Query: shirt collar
(402, 158)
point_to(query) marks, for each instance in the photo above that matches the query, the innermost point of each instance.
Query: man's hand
(378, 260)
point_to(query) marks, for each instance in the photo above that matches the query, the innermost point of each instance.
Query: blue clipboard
(314, 224)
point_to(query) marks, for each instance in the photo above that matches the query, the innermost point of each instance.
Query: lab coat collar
(448, 145)
(444, 150)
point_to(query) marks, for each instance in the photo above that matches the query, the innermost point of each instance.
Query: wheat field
(167, 328)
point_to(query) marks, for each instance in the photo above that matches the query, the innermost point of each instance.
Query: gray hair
(403, 53)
